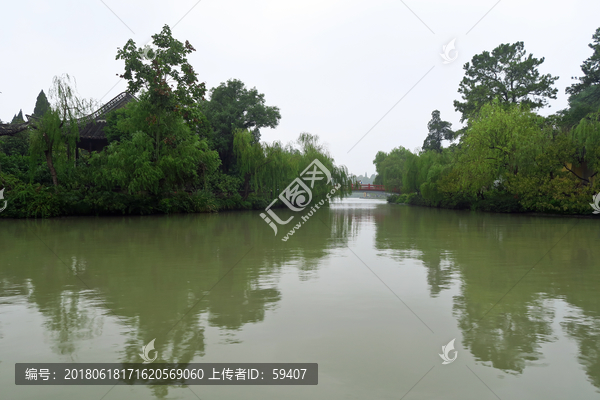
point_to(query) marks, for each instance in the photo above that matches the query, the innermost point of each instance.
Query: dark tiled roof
(95, 122)
(12, 129)
(93, 130)
(90, 126)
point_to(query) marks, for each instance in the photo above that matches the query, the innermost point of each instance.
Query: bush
(16, 165)
(398, 198)
(501, 202)
(182, 202)
(393, 198)
(30, 200)
(416, 199)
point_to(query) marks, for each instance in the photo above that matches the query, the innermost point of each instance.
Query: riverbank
(495, 202)
(24, 200)
(40, 201)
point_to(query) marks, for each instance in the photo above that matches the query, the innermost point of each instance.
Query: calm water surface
(369, 291)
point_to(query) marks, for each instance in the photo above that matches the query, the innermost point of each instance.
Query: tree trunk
(48, 154)
(246, 186)
(51, 166)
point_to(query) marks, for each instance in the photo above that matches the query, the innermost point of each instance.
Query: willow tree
(263, 167)
(311, 149)
(269, 168)
(586, 138)
(500, 142)
(54, 136)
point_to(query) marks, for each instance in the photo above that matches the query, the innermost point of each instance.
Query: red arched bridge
(372, 188)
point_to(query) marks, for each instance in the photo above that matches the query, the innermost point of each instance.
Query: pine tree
(438, 131)
(17, 119)
(42, 105)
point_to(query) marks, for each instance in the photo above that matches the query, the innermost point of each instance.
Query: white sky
(333, 67)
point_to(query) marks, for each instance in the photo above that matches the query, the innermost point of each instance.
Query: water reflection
(509, 268)
(157, 275)
(174, 278)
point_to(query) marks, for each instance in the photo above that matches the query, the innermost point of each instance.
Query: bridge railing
(370, 187)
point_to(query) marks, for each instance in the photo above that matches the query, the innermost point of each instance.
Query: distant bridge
(372, 188)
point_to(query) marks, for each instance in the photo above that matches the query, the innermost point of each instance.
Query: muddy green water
(369, 291)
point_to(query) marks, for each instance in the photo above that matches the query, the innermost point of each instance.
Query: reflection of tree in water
(586, 331)
(30, 271)
(231, 306)
(583, 320)
(439, 272)
(345, 223)
(510, 336)
(423, 236)
(71, 318)
(489, 253)
(157, 275)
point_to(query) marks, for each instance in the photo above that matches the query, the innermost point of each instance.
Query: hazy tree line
(507, 157)
(173, 150)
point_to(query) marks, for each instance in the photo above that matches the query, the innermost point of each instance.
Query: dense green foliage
(584, 96)
(18, 118)
(508, 158)
(438, 130)
(233, 107)
(42, 105)
(168, 151)
(506, 74)
(590, 68)
(270, 168)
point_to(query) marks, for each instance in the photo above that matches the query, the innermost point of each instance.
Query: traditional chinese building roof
(12, 129)
(92, 126)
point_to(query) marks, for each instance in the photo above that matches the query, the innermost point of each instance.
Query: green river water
(368, 290)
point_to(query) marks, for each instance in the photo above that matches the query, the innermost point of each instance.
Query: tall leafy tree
(155, 145)
(231, 107)
(172, 85)
(438, 130)
(390, 167)
(507, 73)
(130, 163)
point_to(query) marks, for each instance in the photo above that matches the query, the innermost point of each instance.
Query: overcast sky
(334, 68)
